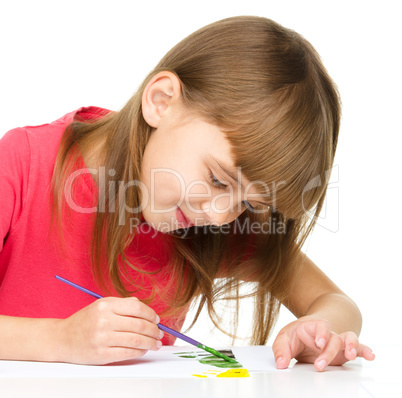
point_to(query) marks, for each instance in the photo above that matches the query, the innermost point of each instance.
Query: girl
(200, 184)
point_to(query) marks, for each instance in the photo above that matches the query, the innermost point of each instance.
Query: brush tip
(218, 354)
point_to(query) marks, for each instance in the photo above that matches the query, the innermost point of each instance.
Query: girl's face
(183, 183)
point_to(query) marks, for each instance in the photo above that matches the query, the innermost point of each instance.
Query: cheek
(166, 187)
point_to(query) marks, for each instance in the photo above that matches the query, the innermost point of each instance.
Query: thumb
(282, 352)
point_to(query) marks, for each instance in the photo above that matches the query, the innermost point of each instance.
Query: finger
(322, 333)
(365, 352)
(282, 352)
(131, 306)
(136, 325)
(334, 345)
(351, 342)
(315, 334)
(134, 340)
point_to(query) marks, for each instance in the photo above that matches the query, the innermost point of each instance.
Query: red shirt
(30, 258)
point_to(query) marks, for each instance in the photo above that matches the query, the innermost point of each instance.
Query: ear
(162, 91)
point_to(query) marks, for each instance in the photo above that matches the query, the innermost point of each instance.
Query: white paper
(382, 389)
(164, 363)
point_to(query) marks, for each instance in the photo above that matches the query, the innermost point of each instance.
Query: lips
(182, 219)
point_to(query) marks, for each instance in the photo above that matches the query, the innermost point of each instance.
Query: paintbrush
(160, 326)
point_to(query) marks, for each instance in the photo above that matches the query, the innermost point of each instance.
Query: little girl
(200, 184)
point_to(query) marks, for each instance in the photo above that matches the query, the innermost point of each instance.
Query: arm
(315, 294)
(328, 324)
(341, 312)
(29, 339)
(109, 330)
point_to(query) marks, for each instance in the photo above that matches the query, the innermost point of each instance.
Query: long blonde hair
(266, 87)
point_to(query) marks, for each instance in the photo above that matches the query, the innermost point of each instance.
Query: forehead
(211, 139)
(217, 151)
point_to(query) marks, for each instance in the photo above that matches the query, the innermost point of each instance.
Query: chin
(160, 225)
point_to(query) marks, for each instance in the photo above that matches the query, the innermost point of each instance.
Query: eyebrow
(231, 172)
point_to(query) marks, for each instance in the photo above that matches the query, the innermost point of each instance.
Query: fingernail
(321, 343)
(279, 361)
(321, 364)
(354, 352)
(158, 345)
(370, 351)
(157, 319)
(161, 334)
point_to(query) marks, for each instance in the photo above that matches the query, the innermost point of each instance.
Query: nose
(219, 215)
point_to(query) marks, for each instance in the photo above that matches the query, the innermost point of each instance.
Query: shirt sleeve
(14, 174)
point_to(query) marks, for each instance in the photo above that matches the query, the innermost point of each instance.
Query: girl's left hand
(309, 339)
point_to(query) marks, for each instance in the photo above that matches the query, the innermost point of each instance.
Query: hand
(310, 340)
(110, 329)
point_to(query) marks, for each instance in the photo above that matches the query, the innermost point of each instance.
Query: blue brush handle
(78, 287)
(178, 335)
(160, 326)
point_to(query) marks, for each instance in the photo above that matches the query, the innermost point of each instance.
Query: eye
(248, 205)
(215, 182)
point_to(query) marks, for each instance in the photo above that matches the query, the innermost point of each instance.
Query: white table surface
(359, 378)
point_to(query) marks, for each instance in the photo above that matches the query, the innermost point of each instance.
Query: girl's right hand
(110, 329)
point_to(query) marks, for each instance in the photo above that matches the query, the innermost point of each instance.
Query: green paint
(220, 363)
(228, 353)
(217, 353)
(219, 359)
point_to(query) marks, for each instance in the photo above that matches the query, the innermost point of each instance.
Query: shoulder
(15, 163)
(14, 151)
(28, 147)
(49, 133)
(40, 143)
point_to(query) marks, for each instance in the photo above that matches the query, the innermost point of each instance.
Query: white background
(57, 56)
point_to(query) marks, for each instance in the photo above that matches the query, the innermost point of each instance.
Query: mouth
(182, 219)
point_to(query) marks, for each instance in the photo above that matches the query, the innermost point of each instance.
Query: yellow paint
(234, 373)
(227, 373)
